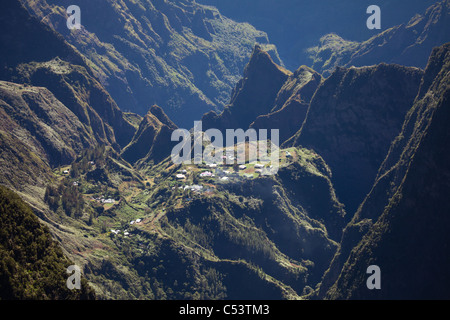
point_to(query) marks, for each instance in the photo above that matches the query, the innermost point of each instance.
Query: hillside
(269, 234)
(253, 95)
(294, 26)
(358, 177)
(291, 105)
(61, 69)
(152, 141)
(32, 265)
(351, 125)
(406, 213)
(408, 44)
(38, 132)
(179, 55)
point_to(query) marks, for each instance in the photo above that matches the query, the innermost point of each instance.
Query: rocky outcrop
(152, 141)
(351, 121)
(402, 225)
(180, 55)
(254, 95)
(408, 44)
(291, 105)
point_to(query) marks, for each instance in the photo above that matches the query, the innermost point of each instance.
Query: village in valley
(121, 208)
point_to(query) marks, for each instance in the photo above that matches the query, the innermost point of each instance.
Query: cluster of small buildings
(181, 175)
(103, 200)
(195, 188)
(206, 174)
(126, 232)
(116, 232)
(135, 221)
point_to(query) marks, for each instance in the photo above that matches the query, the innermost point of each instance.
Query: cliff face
(38, 56)
(291, 105)
(180, 55)
(352, 119)
(33, 265)
(402, 225)
(254, 95)
(40, 121)
(408, 44)
(152, 141)
(294, 25)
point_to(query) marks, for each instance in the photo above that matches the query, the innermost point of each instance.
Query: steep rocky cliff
(402, 225)
(152, 141)
(291, 105)
(47, 132)
(351, 121)
(180, 55)
(254, 95)
(408, 44)
(34, 54)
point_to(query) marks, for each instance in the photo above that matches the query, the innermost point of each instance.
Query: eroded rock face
(352, 119)
(291, 105)
(180, 55)
(38, 132)
(408, 44)
(152, 141)
(402, 225)
(254, 95)
(36, 55)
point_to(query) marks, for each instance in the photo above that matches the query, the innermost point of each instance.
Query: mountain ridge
(385, 220)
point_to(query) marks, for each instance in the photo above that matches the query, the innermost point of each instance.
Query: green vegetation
(32, 264)
(177, 54)
(141, 227)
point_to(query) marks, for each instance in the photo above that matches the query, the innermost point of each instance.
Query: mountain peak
(159, 113)
(150, 143)
(260, 60)
(254, 95)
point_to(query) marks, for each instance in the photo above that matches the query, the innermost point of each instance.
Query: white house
(206, 174)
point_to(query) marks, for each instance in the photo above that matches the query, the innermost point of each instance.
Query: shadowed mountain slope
(402, 225)
(351, 121)
(180, 55)
(254, 95)
(291, 104)
(408, 44)
(32, 53)
(152, 141)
